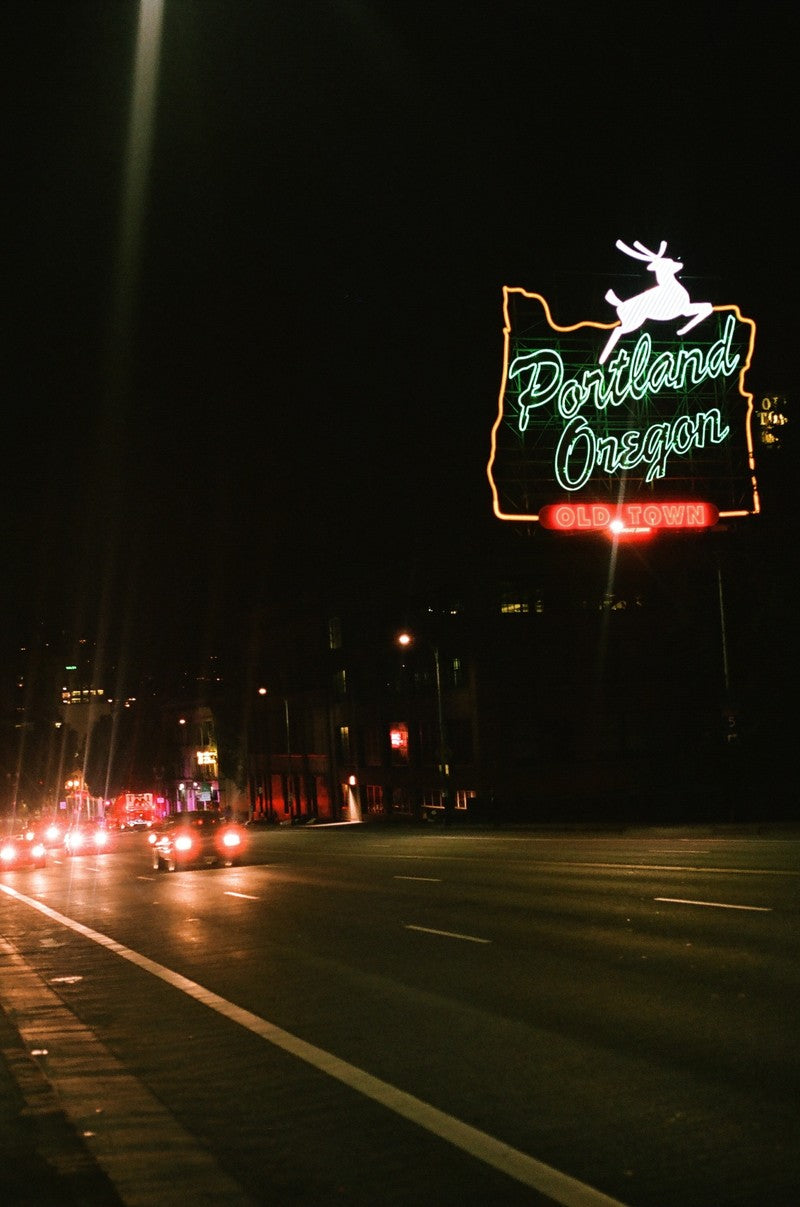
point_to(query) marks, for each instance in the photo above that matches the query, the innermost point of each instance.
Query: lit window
(516, 607)
(375, 798)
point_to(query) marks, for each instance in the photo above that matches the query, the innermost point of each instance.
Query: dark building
(560, 679)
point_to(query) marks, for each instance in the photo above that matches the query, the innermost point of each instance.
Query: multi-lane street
(366, 1017)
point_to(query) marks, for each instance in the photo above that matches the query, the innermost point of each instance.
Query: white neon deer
(666, 300)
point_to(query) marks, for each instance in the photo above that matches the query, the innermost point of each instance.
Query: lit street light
(263, 691)
(406, 639)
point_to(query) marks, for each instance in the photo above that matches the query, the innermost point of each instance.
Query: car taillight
(183, 843)
(231, 838)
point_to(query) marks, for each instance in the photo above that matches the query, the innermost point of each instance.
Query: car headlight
(100, 838)
(39, 850)
(8, 853)
(183, 843)
(231, 838)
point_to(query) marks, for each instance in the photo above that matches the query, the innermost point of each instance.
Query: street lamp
(406, 639)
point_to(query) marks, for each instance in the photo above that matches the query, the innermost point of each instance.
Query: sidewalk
(43, 1161)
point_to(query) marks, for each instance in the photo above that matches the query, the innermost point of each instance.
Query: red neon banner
(627, 517)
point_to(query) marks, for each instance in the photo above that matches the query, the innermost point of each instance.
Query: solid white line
(246, 896)
(426, 879)
(760, 909)
(622, 867)
(671, 867)
(447, 934)
(560, 1187)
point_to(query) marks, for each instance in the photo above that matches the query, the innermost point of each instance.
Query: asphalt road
(363, 1017)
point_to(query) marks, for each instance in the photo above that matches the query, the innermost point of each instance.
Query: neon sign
(398, 738)
(627, 517)
(667, 299)
(623, 415)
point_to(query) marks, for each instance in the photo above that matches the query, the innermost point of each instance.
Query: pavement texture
(43, 1160)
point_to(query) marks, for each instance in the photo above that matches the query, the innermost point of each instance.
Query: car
(192, 839)
(22, 850)
(87, 838)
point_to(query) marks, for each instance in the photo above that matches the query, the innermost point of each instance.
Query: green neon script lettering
(542, 375)
(580, 452)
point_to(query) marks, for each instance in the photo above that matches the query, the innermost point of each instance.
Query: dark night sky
(338, 192)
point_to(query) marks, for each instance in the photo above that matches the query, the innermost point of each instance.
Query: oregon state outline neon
(625, 408)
